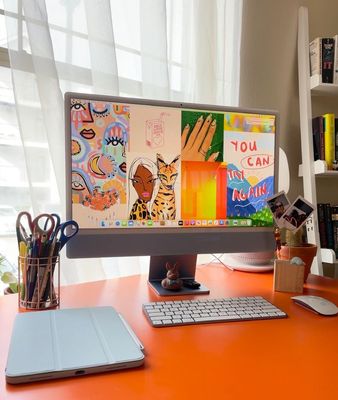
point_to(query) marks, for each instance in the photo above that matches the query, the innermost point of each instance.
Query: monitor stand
(187, 268)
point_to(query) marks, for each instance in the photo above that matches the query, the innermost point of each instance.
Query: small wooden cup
(288, 277)
(306, 252)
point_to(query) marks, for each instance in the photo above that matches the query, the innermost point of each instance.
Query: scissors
(48, 226)
(37, 233)
(21, 231)
(65, 232)
(34, 225)
(57, 220)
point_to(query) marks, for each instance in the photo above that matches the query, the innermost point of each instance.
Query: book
(315, 49)
(322, 60)
(329, 138)
(336, 138)
(335, 66)
(327, 60)
(318, 138)
(328, 225)
(334, 209)
(321, 225)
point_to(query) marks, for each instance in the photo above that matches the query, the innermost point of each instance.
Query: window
(158, 50)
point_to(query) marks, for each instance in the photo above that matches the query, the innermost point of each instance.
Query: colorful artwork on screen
(249, 150)
(138, 165)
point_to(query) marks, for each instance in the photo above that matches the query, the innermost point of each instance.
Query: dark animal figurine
(172, 281)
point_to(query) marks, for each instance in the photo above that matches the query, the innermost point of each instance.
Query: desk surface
(292, 358)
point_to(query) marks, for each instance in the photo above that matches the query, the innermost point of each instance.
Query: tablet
(70, 342)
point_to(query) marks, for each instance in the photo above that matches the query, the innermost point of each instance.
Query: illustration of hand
(196, 146)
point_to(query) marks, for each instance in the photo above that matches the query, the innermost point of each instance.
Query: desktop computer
(170, 180)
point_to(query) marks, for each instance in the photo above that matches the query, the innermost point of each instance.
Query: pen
(49, 270)
(23, 250)
(33, 260)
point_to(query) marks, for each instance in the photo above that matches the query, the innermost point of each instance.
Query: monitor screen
(156, 178)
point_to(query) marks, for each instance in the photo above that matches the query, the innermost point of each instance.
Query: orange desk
(293, 358)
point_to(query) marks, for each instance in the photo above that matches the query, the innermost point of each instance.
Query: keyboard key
(187, 320)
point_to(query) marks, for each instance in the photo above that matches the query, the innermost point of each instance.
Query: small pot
(306, 252)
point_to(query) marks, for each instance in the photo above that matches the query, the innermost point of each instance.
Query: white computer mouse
(316, 304)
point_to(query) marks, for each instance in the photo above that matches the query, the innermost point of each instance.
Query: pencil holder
(39, 282)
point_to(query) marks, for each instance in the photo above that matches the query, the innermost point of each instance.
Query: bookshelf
(311, 170)
(322, 89)
(320, 170)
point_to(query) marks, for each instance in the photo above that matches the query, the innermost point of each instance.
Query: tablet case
(70, 342)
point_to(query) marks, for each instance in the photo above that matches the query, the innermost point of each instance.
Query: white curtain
(182, 50)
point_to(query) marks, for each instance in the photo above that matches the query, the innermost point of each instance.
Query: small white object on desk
(316, 304)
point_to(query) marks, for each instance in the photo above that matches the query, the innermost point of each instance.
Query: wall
(269, 70)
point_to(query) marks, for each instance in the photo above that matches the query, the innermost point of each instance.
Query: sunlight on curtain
(171, 50)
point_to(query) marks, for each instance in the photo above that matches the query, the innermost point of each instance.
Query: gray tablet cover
(70, 342)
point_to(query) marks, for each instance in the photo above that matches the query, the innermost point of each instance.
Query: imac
(170, 180)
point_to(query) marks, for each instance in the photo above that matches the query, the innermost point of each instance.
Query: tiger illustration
(164, 207)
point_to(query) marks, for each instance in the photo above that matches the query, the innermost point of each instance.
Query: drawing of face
(167, 173)
(80, 187)
(97, 123)
(115, 139)
(94, 126)
(89, 118)
(143, 182)
(80, 114)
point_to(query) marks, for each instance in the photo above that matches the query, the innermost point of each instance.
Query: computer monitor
(166, 179)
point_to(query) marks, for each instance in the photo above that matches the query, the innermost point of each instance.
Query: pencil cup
(39, 282)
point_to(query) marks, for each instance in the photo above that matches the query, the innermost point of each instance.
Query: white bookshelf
(320, 170)
(322, 89)
(311, 170)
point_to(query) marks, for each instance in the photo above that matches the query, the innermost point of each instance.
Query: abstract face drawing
(143, 182)
(97, 123)
(115, 140)
(81, 187)
(100, 132)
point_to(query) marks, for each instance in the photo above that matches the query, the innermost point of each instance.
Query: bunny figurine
(172, 281)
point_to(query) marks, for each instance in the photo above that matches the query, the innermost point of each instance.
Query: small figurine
(172, 281)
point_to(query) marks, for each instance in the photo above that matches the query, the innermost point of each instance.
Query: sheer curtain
(182, 50)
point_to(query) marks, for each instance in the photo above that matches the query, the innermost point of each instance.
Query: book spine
(335, 227)
(318, 138)
(327, 60)
(315, 137)
(335, 67)
(328, 226)
(322, 139)
(329, 138)
(321, 225)
(315, 57)
(336, 138)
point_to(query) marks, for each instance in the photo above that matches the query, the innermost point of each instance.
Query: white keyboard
(184, 312)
